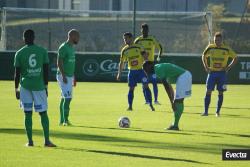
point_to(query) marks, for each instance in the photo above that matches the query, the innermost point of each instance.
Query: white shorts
(183, 85)
(39, 98)
(66, 89)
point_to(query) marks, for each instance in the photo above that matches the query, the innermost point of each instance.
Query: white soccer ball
(124, 122)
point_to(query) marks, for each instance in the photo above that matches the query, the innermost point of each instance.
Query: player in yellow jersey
(215, 60)
(135, 55)
(150, 44)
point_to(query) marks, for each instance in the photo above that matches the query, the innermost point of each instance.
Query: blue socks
(130, 98)
(155, 89)
(148, 95)
(219, 103)
(207, 102)
(145, 96)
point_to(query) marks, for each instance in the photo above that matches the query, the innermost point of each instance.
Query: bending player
(170, 73)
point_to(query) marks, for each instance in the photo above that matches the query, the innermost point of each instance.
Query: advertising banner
(103, 67)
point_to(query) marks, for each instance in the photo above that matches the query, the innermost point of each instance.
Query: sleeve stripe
(132, 47)
(205, 52)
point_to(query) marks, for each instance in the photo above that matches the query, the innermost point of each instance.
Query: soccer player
(31, 68)
(135, 55)
(65, 74)
(217, 68)
(170, 73)
(150, 44)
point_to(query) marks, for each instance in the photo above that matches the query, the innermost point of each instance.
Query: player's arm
(74, 81)
(136, 40)
(46, 70)
(61, 69)
(170, 92)
(46, 76)
(17, 81)
(233, 62)
(121, 65)
(159, 47)
(204, 61)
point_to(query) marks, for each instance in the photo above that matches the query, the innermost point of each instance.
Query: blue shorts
(152, 78)
(136, 76)
(217, 78)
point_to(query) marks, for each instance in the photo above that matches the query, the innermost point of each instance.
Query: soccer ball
(124, 122)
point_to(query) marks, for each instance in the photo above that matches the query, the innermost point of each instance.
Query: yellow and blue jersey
(133, 55)
(149, 44)
(218, 56)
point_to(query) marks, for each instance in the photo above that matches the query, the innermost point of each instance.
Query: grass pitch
(96, 140)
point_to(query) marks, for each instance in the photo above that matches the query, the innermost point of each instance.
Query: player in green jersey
(31, 71)
(65, 73)
(149, 43)
(170, 73)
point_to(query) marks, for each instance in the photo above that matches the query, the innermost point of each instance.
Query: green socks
(45, 125)
(61, 111)
(178, 113)
(64, 110)
(28, 125)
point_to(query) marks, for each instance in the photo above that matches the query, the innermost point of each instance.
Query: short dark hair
(29, 35)
(218, 34)
(144, 25)
(128, 34)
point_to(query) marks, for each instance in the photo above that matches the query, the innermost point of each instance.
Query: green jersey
(30, 59)
(67, 53)
(168, 71)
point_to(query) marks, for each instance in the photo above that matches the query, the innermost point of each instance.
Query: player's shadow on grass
(120, 141)
(223, 114)
(150, 131)
(136, 130)
(133, 155)
(230, 108)
(219, 133)
(74, 136)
